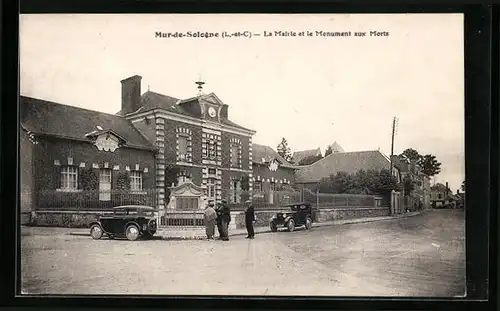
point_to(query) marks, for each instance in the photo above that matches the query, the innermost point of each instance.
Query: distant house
(301, 155)
(336, 148)
(270, 170)
(440, 195)
(309, 176)
(421, 182)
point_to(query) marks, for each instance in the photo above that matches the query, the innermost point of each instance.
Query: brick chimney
(131, 94)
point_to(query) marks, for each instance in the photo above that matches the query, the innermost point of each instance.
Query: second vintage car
(128, 221)
(298, 214)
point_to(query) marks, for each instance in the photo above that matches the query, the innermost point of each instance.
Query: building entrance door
(105, 185)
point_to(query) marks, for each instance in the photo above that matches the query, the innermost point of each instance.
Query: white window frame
(235, 162)
(259, 188)
(183, 156)
(136, 181)
(210, 153)
(235, 191)
(68, 171)
(211, 194)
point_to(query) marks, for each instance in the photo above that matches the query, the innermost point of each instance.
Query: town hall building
(201, 152)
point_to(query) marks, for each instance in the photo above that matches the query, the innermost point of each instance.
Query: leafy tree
(245, 183)
(363, 182)
(411, 154)
(408, 185)
(328, 151)
(123, 181)
(310, 159)
(384, 183)
(339, 183)
(284, 150)
(89, 179)
(430, 166)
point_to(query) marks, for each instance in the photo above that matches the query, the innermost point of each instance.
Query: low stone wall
(66, 219)
(82, 219)
(322, 215)
(326, 214)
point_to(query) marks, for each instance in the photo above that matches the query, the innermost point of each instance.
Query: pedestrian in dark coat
(219, 221)
(226, 219)
(249, 219)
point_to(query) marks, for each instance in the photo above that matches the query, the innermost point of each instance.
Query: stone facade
(197, 143)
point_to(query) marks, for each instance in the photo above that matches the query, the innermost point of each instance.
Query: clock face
(211, 112)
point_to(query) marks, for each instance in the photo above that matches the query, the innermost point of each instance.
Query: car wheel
(96, 232)
(273, 227)
(291, 225)
(132, 232)
(308, 223)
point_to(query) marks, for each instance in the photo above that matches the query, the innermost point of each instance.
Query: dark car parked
(128, 221)
(298, 214)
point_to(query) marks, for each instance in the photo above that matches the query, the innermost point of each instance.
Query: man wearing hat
(249, 219)
(218, 211)
(226, 219)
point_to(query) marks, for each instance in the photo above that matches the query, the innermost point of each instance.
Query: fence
(343, 200)
(265, 199)
(93, 199)
(182, 218)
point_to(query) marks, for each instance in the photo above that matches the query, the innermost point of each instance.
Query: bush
(88, 179)
(123, 181)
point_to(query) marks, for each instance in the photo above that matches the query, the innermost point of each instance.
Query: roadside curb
(267, 231)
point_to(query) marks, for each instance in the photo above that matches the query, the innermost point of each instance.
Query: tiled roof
(49, 118)
(264, 154)
(151, 100)
(349, 162)
(300, 155)
(439, 187)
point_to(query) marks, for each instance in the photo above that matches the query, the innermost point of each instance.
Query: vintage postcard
(240, 154)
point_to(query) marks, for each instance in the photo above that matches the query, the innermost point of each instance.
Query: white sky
(311, 90)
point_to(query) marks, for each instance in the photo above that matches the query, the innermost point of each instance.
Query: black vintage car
(128, 221)
(298, 214)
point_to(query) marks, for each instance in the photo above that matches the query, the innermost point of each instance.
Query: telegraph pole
(392, 140)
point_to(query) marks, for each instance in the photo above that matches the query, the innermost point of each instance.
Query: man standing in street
(249, 219)
(209, 218)
(226, 219)
(218, 211)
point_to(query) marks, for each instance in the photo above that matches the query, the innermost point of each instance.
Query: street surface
(422, 255)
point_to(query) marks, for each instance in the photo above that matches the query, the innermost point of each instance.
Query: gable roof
(54, 119)
(349, 162)
(336, 147)
(439, 187)
(264, 154)
(300, 155)
(152, 100)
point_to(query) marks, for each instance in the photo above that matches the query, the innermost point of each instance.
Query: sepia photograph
(242, 154)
